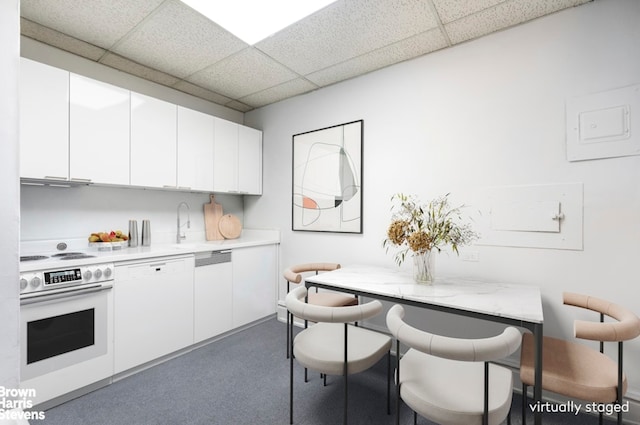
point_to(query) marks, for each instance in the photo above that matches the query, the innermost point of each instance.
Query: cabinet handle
(184, 187)
(76, 179)
(55, 178)
(169, 186)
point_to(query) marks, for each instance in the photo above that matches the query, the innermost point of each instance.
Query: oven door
(59, 331)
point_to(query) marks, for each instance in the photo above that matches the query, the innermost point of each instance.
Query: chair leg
(415, 418)
(288, 332)
(388, 382)
(397, 382)
(524, 403)
(290, 351)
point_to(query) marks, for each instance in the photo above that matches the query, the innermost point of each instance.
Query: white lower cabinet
(254, 283)
(213, 290)
(153, 309)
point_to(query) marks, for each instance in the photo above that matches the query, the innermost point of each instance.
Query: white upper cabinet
(44, 121)
(195, 150)
(74, 128)
(98, 132)
(225, 156)
(153, 142)
(237, 161)
(250, 160)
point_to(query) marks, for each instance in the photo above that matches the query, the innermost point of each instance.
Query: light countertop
(248, 238)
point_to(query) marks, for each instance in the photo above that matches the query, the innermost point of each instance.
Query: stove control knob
(107, 272)
(35, 282)
(23, 284)
(97, 273)
(87, 275)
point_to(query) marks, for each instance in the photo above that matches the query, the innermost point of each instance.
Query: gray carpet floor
(244, 379)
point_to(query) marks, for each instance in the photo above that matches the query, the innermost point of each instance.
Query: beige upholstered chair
(443, 378)
(576, 370)
(294, 274)
(333, 346)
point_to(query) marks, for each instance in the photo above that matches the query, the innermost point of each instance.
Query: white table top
(511, 301)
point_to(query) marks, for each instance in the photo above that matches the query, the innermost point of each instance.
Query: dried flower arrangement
(420, 228)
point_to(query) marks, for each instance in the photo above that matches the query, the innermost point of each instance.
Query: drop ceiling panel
(412, 47)
(59, 40)
(126, 65)
(167, 42)
(201, 92)
(451, 10)
(502, 16)
(179, 41)
(279, 92)
(242, 74)
(100, 22)
(347, 29)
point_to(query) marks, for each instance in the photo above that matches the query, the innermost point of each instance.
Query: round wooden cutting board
(230, 226)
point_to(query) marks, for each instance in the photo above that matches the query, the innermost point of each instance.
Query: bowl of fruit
(107, 241)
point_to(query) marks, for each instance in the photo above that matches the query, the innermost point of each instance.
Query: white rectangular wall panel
(535, 216)
(604, 125)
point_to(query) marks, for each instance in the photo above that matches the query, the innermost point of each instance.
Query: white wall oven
(66, 329)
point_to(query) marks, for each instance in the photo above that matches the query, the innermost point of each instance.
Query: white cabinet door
(153, 142)
(98, 132)
(237, 158)
(225, 156)
(254, 283)
(153, 310)
(44, 121)
(250, 161)
(213, 291)
(195, 150)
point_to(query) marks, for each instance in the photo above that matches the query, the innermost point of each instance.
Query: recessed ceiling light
(255, 20)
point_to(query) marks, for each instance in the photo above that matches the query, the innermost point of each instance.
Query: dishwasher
(153, 309)
(213, 294)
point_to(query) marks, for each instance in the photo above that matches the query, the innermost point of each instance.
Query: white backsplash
(49, 213)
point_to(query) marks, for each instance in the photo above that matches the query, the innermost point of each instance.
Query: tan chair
(576, 370)
(294, 275)
(332, 346)
(450, 380)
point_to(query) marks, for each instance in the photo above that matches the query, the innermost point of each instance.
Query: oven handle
(65, 294)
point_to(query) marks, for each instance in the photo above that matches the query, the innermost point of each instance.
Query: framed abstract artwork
(327, 179)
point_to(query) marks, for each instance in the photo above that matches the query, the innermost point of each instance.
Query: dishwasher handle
(212, 257)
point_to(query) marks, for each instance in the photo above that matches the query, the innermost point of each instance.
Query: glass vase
(424, 267)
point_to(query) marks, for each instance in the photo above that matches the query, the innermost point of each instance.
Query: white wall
(489, 112)
(10, 209)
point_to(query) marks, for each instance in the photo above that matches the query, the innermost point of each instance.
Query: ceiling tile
(98, 22)
(403, 50)
(279, 92)
(126, 65)
(179, 41)
(504, 15)
(247, 72)
(346, 29)
(59, 40)
(201, 92)
(450, 10)
(238, 106)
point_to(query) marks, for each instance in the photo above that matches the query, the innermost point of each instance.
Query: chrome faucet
(180, 236)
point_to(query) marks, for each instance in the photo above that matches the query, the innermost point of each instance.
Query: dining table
(502, 302)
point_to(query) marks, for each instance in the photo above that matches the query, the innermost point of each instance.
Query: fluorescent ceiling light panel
(255, 20)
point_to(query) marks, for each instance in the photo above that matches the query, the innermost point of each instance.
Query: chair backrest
(471, 350)
(626, 327)
(316, 313)
(294, 273)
